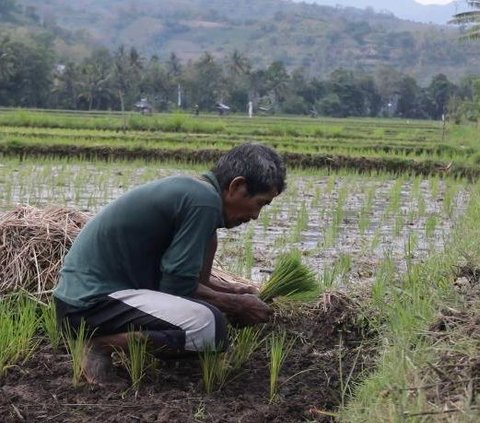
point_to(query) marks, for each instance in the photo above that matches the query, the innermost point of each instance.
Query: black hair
(261, 166)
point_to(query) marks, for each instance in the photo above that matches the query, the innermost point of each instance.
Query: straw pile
(33, 243)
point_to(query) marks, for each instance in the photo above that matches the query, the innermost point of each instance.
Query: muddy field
(332, 348)
(346, 226)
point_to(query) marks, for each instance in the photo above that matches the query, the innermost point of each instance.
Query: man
(143, 263)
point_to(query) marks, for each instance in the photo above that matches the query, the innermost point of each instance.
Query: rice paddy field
(384, 212)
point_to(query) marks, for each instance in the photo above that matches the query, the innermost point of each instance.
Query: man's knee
(209, 330)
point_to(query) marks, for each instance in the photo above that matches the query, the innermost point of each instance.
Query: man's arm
(242, 308)
(234, 299)
(217, 284)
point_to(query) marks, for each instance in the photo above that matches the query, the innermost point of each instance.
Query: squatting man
(143, 263)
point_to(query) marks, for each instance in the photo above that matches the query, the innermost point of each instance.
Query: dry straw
(33, 243)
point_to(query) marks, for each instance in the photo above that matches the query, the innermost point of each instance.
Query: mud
(330, 343)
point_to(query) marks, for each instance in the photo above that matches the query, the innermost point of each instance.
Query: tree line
(31, 76)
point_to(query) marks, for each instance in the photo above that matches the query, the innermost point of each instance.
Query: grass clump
(136, 363)
(18, 324)
(290, 278)
(76, 343)
(215, 369)
(49, 324)
(278, 349)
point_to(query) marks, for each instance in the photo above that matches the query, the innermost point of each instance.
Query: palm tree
(471, 19)
(238, 64)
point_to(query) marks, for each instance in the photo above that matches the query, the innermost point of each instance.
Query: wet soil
(332, 348)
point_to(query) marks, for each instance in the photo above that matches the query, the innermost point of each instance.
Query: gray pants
(178, 323)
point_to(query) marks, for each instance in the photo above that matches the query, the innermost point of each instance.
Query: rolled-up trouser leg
(179, 323)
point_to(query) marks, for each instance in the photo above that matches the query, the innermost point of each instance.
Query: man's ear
(238, 185)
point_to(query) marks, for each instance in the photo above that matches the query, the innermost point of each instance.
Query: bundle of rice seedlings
(290, 278)
(33, 243)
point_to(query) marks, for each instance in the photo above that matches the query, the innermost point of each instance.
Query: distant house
(222, 108)
(143, 106)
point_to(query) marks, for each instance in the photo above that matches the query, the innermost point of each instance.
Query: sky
(433, 1)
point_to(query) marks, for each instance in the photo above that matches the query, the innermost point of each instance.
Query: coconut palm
(471, 19)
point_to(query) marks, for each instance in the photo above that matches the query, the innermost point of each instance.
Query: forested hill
(318, 38)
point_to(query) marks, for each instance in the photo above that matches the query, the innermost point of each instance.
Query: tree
(471, 19)
(440, 90)
(204, 82)
(66, 86)
(157, 85)
(7, 7)
(95, 87)
(126, 74)
(26, 70)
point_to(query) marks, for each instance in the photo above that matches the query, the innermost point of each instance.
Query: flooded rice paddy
(345, 224)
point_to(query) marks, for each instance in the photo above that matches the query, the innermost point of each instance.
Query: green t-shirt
(153, 237)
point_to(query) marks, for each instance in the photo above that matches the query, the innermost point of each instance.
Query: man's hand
(243, 309)
(242, 288)
(251, 310)
(219, 285)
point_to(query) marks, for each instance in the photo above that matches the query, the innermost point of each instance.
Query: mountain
(318, 38)
(404, 9)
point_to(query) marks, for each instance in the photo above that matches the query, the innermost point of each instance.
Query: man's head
(250, 176)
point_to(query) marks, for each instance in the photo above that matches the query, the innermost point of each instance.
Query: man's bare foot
(98, 369)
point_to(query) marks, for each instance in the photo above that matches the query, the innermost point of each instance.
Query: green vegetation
(77, 346)
(290, 278)
(403, 241)
(18, 326)
(137, 361)
(278, 349)
(409, 147)
(413, 362)
(49, 324)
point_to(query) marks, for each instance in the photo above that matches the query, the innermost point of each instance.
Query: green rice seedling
(248, 253)
(343, 265)
(398, 225)
(278, 349)
(317, 197)
(244, 342)
(215, 369)
(18, 324)
(301, 223)
(383, 277)
(330, 235)
(448, 205)
(421, 206)
(410, 245)
(330, 184)
(394, 196)
(289, 278)
(434, 186)
(328, 277)
(366, 211)
(265, 219)
(77, 346)
(430, 226)
(375, 241)
(49, 324)
(137, 361)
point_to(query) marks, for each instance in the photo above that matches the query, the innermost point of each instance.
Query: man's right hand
(251, 310)
(244, 309)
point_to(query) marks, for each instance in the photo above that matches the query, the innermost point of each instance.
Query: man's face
(239, 207)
